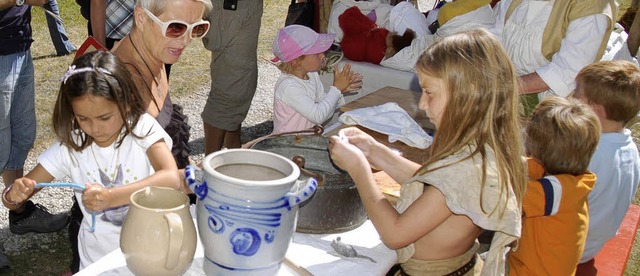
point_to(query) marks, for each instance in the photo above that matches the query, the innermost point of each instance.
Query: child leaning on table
(473, 175)
(300, 100)
(106, 141)
(612, 90)
(560, 138)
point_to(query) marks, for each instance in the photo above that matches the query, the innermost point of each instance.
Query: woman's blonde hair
(482, 107)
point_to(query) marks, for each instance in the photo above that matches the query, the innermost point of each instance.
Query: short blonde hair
(289, 67)
(615, 85)
(562, 133)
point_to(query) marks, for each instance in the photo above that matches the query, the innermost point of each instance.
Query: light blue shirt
(617, 168)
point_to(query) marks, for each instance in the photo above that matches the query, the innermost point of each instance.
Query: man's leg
(56, 30)
(4, 263)
(30, 217)
(232, 139)
(73, 231)
(213, 138)
(234, 72)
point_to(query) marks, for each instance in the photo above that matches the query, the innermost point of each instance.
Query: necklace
(158, 90)
(113, 163)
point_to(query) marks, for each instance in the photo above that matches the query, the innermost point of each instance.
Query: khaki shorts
(233, 42)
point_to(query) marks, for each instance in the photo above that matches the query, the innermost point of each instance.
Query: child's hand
(21, 190)
(358, 138)
(96, 197)
(346, 155)
(345, 80)
(363, 141)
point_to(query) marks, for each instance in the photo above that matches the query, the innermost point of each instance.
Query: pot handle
(176, 235)
(302, 192)
(195, 180)
(317, 129)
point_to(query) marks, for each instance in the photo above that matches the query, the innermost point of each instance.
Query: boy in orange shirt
(560, 139)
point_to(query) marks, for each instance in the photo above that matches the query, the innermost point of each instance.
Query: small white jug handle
(175, 239)
(195, 180)
(299, 196)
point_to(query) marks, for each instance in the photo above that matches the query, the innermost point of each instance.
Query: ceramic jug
(247, 208)
(158, 236)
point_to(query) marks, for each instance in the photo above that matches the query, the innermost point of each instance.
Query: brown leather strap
(465, 268)
(396, 270)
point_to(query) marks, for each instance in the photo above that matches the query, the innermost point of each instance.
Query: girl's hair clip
(72, 71)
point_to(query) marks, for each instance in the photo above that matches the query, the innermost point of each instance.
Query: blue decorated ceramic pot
(247, 209)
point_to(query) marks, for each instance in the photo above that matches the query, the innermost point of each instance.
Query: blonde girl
(300, 100)
(107, 143)
(473, 177)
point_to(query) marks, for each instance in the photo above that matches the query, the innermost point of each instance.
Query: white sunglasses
(177, 28)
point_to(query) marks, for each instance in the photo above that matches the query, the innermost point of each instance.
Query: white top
(84, 168)
(521, 37)
(300, 104)
(617, 168)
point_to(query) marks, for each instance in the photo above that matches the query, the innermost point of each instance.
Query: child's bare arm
(22, 189)
(97, 197)
(396, 230)
(380, 156)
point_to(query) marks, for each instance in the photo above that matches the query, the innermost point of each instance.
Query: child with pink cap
(300, 100)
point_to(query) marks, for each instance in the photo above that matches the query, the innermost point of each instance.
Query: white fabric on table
(392, 120)
(311, 251)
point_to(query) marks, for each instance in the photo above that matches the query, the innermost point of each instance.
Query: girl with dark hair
(107, 144)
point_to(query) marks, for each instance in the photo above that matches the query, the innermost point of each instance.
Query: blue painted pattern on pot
(240, 232)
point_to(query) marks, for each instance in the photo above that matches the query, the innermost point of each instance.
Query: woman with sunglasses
(162, 29)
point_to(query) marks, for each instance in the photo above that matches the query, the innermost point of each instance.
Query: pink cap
(294, 41)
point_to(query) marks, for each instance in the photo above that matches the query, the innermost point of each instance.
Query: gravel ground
(258, 123)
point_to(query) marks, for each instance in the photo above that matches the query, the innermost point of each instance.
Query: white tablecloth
(311, 251)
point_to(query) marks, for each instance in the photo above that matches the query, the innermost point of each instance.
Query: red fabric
(587, 269)
(89, 45)
(363, 40)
